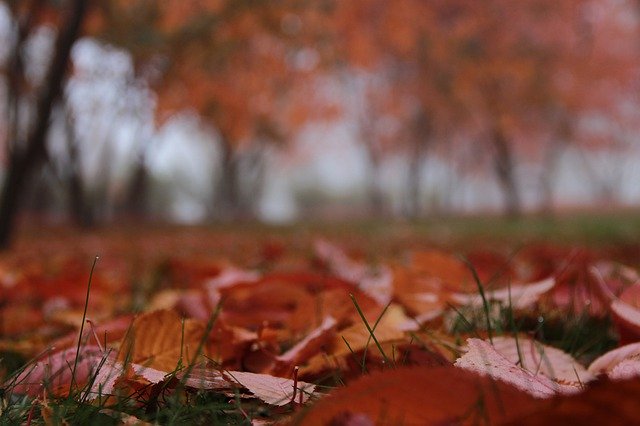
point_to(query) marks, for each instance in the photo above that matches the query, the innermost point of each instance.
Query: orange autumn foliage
(443, 395)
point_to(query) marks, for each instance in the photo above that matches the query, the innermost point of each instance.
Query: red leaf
(420, 396)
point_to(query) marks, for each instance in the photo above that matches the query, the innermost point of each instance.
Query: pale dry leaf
(626, 369)
(376, 283)
(628, 316)
(482, 358)
(151, 374)
(537, 358)
(605, 363)
(270, 389)
(199, 377)
(105, 379)
(519, 296)
(124, 419)
(230, 277)
(55, 371)
(203, 377)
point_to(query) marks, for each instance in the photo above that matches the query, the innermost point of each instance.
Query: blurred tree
(512, 77)
(26, 146)
(396, 45)
(228, 60)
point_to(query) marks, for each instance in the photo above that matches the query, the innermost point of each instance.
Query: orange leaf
(603, 403)
(161, 340)
(422, 395)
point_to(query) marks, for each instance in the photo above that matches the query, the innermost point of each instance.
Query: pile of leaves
(318, 333)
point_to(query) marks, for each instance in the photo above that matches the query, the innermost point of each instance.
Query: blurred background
(202, 111)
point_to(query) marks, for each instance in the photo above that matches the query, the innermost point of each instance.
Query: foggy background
(136, 155)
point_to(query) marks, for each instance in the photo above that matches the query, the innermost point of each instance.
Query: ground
(249, 323)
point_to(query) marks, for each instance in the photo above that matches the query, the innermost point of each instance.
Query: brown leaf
(448, 272)
(374, 282)
(305, 349)
(161, 339)
(422, 296)
(422, 395)
(603, 403)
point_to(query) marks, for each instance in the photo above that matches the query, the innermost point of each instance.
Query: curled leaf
(607, 363)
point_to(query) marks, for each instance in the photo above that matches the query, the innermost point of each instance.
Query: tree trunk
(80, 211)
(548, 177)
(421, 133)
(228, 196)
(414, 182)
(375, 194)
(136, 202)
(504, 166)
(23, 162)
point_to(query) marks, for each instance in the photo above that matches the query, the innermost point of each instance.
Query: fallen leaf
(422, 395)
(445, 270)
(231, 276)
(55, 372)
(162, 340)
(304, 349)
(358, 337)
(626, 369)
(483, 359)
(270, 389)
(376, 283)
(607, 362)
(605, 402)
(518, 296)
(537, 358)
(422, 296)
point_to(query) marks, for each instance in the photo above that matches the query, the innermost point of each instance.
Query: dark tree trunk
(81, 212)
(228, 196)
(375, 194)
(548, 177)
(550, 162)
(250, 178)
(414, 186)
(421, 134)
(23, 162)
(504, 166)
(136, 203)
